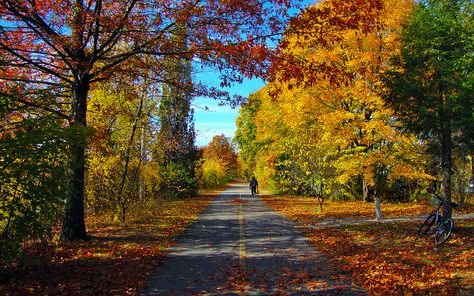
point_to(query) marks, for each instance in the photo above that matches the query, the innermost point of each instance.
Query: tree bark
(320, 198)
(365, 190)
(141, 183)
(73, 227)
(472, 169)
(446, 164)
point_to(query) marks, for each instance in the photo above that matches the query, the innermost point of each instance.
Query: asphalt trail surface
(239, 246)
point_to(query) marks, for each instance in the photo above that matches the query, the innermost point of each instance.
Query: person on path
(253, 186)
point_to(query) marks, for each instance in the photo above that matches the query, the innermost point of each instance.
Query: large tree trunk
(446, 166)
(73, 227)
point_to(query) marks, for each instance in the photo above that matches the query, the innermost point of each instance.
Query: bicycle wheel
(443, 231)
(427, 225)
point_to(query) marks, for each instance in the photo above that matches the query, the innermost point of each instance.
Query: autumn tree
(431, 84)
(219, 162)
(343, 59)
(66, 46)
(120, 171)
(322, 117)
(246, 134)
(33, 154)
(221, 148)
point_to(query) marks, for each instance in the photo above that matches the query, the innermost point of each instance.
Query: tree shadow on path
(241, 247)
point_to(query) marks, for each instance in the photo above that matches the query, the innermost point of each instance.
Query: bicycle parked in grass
(442, 227)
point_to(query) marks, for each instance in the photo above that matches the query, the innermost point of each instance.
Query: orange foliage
(220, 148)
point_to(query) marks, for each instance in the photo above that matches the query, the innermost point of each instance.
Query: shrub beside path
(240, 246)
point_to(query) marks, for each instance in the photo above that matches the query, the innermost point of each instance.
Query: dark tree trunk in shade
(446, 163)
(73, 225)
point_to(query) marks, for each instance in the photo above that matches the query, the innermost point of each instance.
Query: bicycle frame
(442, 226)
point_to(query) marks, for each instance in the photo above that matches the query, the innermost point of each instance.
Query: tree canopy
(52, 52)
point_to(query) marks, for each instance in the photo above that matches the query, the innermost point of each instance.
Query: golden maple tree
(321, 117)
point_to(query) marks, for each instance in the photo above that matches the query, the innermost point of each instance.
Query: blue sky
(220, 119)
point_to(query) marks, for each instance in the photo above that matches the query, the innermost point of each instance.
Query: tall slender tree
(177, 154)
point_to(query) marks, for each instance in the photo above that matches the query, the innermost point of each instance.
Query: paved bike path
(239, 246)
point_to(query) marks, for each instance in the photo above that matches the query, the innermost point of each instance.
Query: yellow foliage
(339, 117)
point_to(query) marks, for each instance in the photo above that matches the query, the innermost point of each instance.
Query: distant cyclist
(253, 186)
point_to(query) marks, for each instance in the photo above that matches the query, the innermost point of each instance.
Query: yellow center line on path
(242, 234)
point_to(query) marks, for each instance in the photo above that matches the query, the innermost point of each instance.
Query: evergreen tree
(431, 86)
(177, 154)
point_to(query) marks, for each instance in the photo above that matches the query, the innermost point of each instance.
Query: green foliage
(431, 83)
(178, 181)
(32, 182)
(246, 134)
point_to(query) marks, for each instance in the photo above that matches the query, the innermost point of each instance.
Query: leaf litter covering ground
(389, 258)
(241, 280)
(305, 210)
(116, 260)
